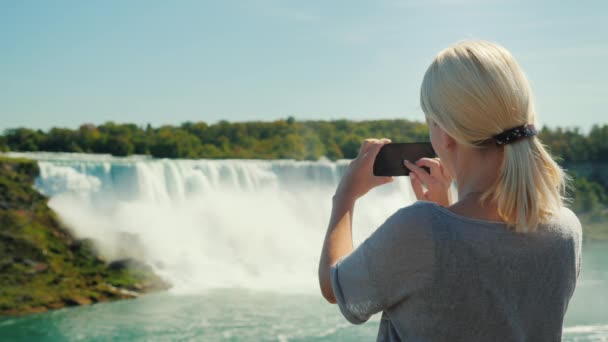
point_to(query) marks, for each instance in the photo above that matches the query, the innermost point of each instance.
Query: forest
(299, 140)
(585, 155)
(306, 140)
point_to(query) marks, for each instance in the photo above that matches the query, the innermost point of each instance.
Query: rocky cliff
(42, 265)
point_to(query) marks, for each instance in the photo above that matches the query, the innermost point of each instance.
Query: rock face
(42, 266)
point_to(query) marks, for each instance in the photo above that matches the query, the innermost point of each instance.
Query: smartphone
(389, 161)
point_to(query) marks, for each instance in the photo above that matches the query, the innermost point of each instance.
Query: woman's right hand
(437, 183)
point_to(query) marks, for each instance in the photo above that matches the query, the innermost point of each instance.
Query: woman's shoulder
(437, 213)
(408, 228)
(412, 219)
(419, 210)
(416, 218)
(418, 207)
(566, 215)
(566, 222)
(565, 219)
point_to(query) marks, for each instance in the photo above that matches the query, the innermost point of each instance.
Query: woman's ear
(448, 142)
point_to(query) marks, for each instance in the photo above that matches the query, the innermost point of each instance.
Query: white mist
(206, 224)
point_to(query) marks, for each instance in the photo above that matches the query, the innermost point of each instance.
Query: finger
(422, 175)
(367, 143)
(417, 186)
(385, 180)
(379, 144)
(432, 164)
(446, 174)
(380, 180)
(441, 168)
(373, 148)
(376, 145)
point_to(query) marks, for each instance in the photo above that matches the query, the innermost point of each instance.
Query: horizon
(579, 129)
(70, 63)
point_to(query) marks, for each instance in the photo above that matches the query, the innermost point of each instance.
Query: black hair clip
(513, 134)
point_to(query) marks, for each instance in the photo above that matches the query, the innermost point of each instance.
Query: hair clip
(513, 134)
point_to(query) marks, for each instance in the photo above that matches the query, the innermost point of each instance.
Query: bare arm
(338, 242)
(356, 182)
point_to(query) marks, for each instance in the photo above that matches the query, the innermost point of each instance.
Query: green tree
(23, 139)
(3, 144)
(588, 196)
(175, 143)
(88, 137)
(119, 145)
(60, 139)
(350, 146)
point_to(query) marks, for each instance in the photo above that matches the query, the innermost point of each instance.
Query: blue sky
(64, 63)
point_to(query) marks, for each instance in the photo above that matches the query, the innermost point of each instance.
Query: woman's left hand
(359, 176)
(438, 182)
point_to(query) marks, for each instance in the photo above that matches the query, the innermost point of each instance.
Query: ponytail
(530, 187)
(475, 90)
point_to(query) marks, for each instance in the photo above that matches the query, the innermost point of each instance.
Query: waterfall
(206, 224)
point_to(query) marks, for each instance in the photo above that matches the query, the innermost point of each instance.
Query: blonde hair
(475, 90)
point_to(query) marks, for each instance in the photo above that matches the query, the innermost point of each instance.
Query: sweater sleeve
(392, 263)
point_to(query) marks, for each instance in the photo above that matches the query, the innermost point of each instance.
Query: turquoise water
(247, 315)
(245, 277)
(219, 315)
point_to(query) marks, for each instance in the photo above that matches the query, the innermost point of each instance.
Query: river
(240, 241)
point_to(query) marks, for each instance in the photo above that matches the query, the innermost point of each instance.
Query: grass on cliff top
(41, 264)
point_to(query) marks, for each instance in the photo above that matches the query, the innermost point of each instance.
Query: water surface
(240, 240)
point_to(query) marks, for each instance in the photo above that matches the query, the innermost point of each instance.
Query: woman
(499, 264)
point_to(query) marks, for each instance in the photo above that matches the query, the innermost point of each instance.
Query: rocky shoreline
(43, 266)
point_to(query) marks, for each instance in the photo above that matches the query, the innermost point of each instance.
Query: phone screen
(389, 161)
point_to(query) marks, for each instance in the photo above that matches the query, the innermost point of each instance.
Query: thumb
(417, 186)
(383, 180)
(386, 180)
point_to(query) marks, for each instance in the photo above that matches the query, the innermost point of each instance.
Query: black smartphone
(389, 161)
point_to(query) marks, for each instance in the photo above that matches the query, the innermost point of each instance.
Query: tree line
(278, 139)
(288, 138)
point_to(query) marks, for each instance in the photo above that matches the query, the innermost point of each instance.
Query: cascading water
(211, 224)
(206, 224)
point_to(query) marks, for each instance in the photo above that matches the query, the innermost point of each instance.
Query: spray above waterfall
(209, 223)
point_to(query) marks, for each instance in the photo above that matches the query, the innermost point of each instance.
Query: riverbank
(594, 228)
(42, 265)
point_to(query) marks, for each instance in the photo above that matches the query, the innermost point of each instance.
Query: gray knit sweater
(439, 276)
